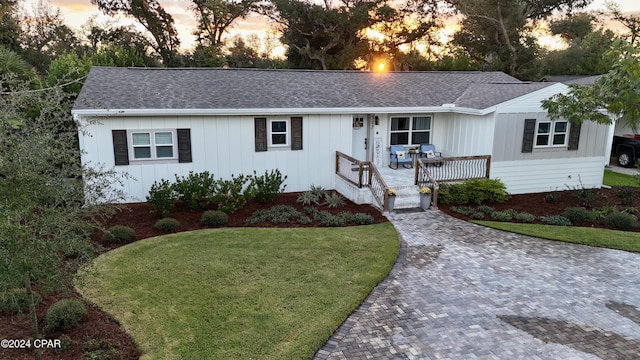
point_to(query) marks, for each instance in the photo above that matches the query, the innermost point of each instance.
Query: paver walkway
(461, 291)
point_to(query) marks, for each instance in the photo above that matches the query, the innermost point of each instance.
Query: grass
(240, 293)
(612, 239)
(612, 178)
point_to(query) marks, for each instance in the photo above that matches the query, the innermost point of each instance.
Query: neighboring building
(156, 123)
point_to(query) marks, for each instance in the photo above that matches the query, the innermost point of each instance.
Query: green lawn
(612, 178)
(240, 293)
(612, 239)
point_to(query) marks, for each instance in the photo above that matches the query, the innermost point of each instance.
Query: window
(278, 132)
(551, 133)
(152, 145)
(410, 130)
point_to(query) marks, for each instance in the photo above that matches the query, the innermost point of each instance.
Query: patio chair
(428, 151)
(399, 156)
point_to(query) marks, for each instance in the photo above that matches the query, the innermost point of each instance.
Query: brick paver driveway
(461, 291)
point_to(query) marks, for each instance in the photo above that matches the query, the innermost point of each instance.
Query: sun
(381, 66)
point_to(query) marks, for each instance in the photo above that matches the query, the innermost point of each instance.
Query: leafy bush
(231, 195)
(474, 191)
(339, 220)
(603, 211)
(362, 219)
(504, 216)
(119, 234)
(307, 198)
(578, 215)
(268, 186)
(586, 197)
(620, 221)
(334, 200)
(628, 195)
(488, 210)
(556, 220)
(478, 215)
(318, 191)
(167, 225)
(463, 210)
(279, 214)
(551, 198)
(524, 217)
(64, 315)
(100, 349)
(214, 218)
(195, 189)
(16, 301)
(162, 197)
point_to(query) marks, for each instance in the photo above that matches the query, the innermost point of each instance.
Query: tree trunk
(513, 58)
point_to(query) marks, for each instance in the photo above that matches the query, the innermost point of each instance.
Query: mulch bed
(99, 325)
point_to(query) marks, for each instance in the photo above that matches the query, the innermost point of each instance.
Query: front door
(360, 138)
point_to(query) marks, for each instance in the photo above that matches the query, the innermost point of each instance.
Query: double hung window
(150, 145)
(552, 133)
(410, 130)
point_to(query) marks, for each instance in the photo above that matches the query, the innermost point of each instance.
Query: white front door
(359, 142)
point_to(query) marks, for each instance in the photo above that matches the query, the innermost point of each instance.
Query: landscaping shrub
(362, 219)
(231, 195)
(307, 198)
(628, 195)
(167, 225)
(162, 197)
(100, 349)
(64, 315)
(195, 189)
(556, 220)
(578, 215)
(620, 221)
(16, 301)
(339, 220)
(524, 217)
(318, 191)
(214, 218)
(119, 234)
(334, 200)
(478, 215)
(268, 186)
(551, 198)
(279, 214)
(488, 210)
(474, 191)
(505, 216)
(463, 210)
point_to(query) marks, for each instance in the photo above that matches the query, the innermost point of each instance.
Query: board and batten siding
(224, 146)
(542, 175)
(463, 135)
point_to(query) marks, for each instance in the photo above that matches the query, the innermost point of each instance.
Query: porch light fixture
(376, 120)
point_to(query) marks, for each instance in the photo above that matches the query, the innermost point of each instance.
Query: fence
(362, 173)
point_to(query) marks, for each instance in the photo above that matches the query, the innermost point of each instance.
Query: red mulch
(538, 205)
(99, 325)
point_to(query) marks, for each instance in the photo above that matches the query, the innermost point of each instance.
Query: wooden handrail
(373, 180)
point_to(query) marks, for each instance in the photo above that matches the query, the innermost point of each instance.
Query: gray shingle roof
(207, 88)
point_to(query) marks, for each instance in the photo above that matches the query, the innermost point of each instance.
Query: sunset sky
(76, 13)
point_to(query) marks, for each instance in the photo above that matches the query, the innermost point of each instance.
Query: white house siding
(462, 134)
(224, 146)
(541, 175)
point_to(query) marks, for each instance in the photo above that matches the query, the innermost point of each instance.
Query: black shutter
(528, 136)
(184, 145)
(574, 135)
(296, 133)
(120, 148)
(261, 134)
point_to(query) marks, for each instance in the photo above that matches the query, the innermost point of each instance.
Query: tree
(216, 16)
(631, 22)
(152, 16)
(498, 32)
(46, 195)
(572, 27)
(615, 94)
(9, 28)
(584, 56)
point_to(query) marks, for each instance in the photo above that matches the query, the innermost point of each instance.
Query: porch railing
(362, 173)
(433, 170)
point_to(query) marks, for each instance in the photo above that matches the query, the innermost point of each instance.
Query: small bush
(551, 198)
(162, 197)
(119, 234)
(504, 216)
(628, 195)
(524, 217)
(578, 215)
(558, 220)
(195, 189)
(16, 301)
(478, 215)
(463, 210)
(279, 214)
(620, 221)
(99, 349)
(339, 220)
(334, 200)
(474, 191)
(318, 191)
(268, 186)
(167, 225)
(362, 219)
(307, 198)
(64, 315)
(232, 195)
(214, 218)
(485, 209)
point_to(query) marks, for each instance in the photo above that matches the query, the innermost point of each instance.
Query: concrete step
(407, 197)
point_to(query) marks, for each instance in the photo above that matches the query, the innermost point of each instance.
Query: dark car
(626, 149)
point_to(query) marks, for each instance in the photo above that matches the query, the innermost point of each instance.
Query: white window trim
(552, 128)
(287, 133)
(410, 131)
(154, 156)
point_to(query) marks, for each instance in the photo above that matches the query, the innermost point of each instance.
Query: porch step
(407, 197)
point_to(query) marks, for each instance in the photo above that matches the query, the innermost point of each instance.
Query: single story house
(156, 123)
